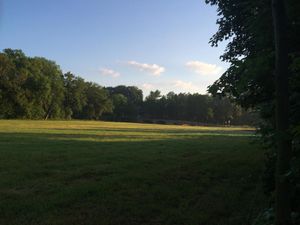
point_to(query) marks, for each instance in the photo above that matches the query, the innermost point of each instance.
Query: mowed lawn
(101, 173)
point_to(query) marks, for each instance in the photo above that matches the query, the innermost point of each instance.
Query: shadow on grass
(166, 130)
(61, 179)
(124, 133)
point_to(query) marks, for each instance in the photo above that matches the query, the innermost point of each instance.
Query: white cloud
(204, 68)
(153, 69)
(178, 86)
(109, 72)
(147, 86)
(185, 86)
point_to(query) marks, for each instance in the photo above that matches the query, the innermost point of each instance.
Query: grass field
(100, 173)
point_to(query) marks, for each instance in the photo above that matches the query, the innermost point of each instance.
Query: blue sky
(153, 44)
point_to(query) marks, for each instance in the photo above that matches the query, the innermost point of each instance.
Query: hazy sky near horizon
(152, 44)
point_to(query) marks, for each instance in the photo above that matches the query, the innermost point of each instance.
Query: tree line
(36, 88)
(195, 107)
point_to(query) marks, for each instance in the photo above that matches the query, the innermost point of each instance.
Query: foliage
(247, 27)
(97, 102)
(195, 107)
(75, 95)
(36, 88)
(131, 107)
(29, 87)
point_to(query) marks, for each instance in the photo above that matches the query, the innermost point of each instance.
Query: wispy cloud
(153, 69)
(185, 86)
(109, 72)
(203, 68)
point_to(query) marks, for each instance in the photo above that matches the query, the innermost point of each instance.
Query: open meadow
(104, 173)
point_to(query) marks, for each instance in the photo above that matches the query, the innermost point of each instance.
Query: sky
(151, 44)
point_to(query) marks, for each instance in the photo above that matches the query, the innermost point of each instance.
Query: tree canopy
(36, 88)
(252, 47)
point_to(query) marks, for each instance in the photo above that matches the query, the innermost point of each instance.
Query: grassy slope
(82, 172)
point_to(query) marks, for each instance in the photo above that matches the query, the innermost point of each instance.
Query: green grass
(100, 173)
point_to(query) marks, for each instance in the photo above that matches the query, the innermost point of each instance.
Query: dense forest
(36, 88)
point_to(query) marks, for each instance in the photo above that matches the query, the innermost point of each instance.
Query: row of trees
(36, 88)
(195, 107)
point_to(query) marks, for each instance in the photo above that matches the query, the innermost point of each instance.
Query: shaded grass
(82, 172)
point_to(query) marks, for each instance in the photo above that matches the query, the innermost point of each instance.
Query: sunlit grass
(87, 172)
(110, 131)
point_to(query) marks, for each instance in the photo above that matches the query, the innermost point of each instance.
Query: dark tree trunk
(282, 196)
